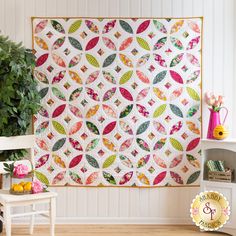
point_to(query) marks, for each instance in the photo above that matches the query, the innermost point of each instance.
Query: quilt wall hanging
(120, 101)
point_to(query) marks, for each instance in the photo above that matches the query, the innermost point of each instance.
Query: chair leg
(52, 216)
(32, 220)
(7, 219)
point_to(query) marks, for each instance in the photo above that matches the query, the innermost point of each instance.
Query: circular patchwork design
(120, 101)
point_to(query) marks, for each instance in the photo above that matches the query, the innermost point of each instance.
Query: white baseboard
(111, 220)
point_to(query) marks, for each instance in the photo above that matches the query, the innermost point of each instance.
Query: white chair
(8, 200)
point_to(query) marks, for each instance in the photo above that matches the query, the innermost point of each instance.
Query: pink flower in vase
(20, 171)
(208, 98)
(207, 95)
(221, 100)
(216, 103)
(212, 100)
(37, 186)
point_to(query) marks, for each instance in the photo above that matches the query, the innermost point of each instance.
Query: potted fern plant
(19, 98)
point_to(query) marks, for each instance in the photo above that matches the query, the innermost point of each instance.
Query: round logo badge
(210, 210)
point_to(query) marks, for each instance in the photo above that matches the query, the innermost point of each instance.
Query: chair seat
(5, 196)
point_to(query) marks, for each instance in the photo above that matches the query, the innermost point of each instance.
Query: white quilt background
(120, 101)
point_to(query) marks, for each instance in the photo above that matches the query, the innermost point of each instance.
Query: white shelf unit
(221, 150)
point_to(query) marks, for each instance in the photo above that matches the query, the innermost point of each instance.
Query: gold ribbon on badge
(210, 210)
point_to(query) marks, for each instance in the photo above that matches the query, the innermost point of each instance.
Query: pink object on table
(214, 121)
(20, 171)
(37, 186)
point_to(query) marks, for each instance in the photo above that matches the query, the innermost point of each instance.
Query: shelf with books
(224, 159)
(220, 156)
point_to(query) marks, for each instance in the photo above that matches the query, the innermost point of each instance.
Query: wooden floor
(115, 230)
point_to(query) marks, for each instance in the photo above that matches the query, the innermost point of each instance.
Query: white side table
(221, 150)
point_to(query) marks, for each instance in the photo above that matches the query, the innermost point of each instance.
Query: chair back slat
(17, 142)
(24, 162)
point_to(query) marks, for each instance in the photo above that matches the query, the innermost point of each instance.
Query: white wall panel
(2, 16)
(103, 7)
(103, 197)
(81, 202)
(124, 202)
(114, 7)
(124, 8)
(50, 8)
(187, 8)
(72, 7)
(92, 202)
(61, 7)
(229, 61)
(113, 204)
(217, 42)
(163, 205)
(156, 8)
(146, 8)
(9, 20)
(134, 8)
(177, 8)
(167, 7)
(28, 12)
(197, 6)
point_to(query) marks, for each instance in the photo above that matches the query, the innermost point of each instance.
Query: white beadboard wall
(129, 205)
